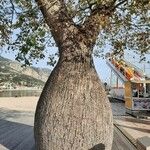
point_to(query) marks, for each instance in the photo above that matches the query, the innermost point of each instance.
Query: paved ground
(118, 108)
(15, 136)
(120, 142)
(18, 136)
(133, 128)
(16, 125)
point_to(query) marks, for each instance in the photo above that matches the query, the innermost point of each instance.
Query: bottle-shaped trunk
(73, 112)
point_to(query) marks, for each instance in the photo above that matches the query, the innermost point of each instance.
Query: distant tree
(73, 111)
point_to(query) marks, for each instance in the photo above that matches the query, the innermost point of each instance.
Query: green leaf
(42, 33)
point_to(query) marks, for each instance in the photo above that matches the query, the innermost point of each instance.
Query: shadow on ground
(24, 117)
(16, 136)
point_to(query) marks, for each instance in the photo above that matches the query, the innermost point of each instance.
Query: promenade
(17, 118)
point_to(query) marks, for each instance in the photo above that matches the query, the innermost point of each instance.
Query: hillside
(13, 75)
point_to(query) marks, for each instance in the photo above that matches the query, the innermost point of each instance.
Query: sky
(102, 69)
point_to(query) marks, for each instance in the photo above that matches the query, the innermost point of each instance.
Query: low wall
(19, 93)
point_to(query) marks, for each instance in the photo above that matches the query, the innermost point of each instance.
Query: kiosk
(136, 86)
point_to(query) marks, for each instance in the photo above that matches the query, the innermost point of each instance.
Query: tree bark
(73, 112)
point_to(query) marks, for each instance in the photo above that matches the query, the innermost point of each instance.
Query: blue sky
(100, 64)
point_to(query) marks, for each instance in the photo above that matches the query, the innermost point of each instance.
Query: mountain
(13, 75)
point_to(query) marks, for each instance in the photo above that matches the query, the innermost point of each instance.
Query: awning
(140, 81)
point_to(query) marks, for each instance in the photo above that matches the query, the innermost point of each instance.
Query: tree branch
(118, 4)
(96, 21)
(57, 18)
(13, 10)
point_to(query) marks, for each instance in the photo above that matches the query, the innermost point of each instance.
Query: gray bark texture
(73, 112)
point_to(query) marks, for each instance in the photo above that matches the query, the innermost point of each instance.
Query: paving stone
(143, 143)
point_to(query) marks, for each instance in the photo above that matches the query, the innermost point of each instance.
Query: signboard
(141, 103)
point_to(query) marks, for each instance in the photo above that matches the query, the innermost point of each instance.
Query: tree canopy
(124, 24)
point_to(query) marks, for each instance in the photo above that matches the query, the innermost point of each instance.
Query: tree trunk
(73, 112)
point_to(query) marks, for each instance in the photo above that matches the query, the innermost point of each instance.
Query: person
(135, 93)
(141, 91)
